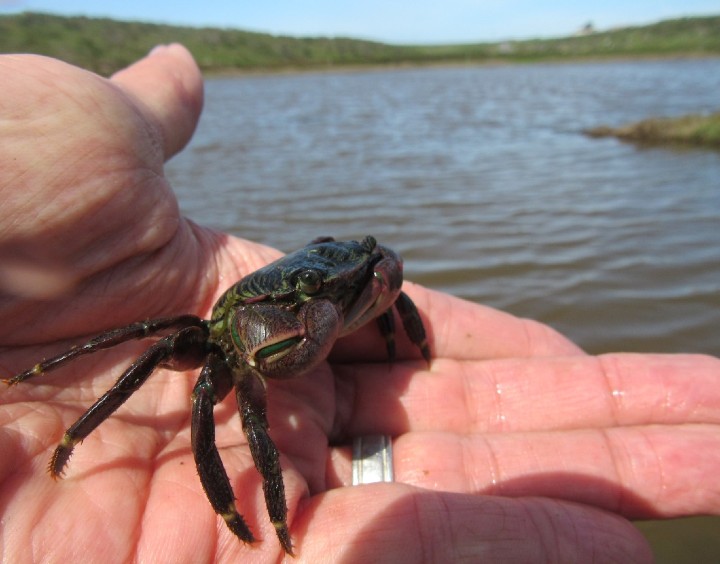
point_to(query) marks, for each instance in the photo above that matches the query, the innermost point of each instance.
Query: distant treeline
(105, 45)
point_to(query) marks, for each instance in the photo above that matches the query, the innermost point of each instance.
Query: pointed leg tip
(286, 544)
(284, 536)
(13, 380)
(239, 528)
(55, 474)
(61, 456)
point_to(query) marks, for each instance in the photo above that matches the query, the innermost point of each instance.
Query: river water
(482, 178)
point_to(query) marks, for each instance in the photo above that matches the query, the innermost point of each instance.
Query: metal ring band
(372, 459)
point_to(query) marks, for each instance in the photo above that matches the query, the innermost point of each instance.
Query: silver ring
(372, 459)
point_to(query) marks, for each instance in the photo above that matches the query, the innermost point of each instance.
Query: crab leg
(250, 394)
(412, 323)
(212, 386)
(109, 339)
(180, 350)
(386, 324)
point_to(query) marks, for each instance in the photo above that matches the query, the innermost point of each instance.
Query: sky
(390, 21)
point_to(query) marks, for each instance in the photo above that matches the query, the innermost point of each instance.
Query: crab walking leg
(386, 324)
(181, 350)
(138, 330)
(212, 386)
(412, 323)
(251, 402)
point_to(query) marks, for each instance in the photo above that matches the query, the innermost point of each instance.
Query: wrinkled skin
(514, 446)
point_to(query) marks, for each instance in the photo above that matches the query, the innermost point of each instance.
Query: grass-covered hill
(105, 45)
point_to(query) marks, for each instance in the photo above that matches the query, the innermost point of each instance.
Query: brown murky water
(483, 180)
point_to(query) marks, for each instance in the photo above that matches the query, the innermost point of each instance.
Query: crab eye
(309, 282)
(369, 243)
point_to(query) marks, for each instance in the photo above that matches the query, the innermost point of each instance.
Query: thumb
(167, 87)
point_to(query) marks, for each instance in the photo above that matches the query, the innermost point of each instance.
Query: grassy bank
(105, 45)
(687, 130)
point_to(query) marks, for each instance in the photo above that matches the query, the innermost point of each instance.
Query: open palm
(564, 446)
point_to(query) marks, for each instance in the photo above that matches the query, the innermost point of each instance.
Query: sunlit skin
(513, 444)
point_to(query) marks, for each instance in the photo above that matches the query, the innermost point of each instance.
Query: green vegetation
(105, 45)
(687, 130)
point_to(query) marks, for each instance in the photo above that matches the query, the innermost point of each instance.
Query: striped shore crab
(277, 322)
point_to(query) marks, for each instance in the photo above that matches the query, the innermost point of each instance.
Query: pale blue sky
(401, 21)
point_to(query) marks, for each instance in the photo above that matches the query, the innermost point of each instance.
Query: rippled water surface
(481, 177)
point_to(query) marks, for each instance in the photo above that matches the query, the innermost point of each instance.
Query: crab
(280, 321)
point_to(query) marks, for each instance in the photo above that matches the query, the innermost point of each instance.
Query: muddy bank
(695, 129)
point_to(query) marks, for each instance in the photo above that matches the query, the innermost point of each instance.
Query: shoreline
(105, 45)
(412, 65)
(692, 130)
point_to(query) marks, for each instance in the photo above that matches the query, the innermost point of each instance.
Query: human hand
(90, 233)
(90, 238)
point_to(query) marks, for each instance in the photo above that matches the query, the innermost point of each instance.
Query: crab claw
(280, 343)
(379, 295)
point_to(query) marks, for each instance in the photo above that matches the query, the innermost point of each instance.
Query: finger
(394, 523)
(460, 330)
(168, 85)
(526, 395)
(638, 472)
(463, 330)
